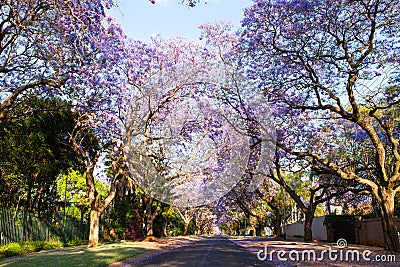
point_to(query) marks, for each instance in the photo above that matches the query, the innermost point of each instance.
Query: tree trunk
(230, 230)
(165, 233)
(94, 228)
(151, 216)
(253, 228)
(187, 216)
(309, 217)
(96, 208)
(149, 226)
(390, 232)
(185, 230)
(35, 200)
(28, 203)
(277, 224)
(261, 225)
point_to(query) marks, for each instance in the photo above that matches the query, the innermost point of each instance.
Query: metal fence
(17, 226)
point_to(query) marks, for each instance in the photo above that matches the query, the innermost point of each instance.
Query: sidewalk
(156, 247)
(295, 252)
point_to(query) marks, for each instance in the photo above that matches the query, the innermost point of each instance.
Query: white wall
(318, 229)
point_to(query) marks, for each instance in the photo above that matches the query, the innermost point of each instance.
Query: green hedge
(20, 248)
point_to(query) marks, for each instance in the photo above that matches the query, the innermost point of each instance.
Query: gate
(340, 226)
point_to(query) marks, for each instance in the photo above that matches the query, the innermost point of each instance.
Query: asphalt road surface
(214, 251)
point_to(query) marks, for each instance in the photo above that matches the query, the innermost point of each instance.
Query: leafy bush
(11, 249)
(125, 218)
(19, 248)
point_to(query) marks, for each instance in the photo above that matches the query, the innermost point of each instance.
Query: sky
(140, 19)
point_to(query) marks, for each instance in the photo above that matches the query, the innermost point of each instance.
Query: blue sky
(140, 19)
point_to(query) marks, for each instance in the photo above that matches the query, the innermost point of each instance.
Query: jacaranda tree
(100, 95)
(45, 46)
(324, 64)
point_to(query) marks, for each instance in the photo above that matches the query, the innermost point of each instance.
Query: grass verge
(20, 248)
(77, 256)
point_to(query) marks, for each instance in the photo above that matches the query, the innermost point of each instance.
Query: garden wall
(318, 229)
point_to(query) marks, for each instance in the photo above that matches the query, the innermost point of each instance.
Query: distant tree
(307, 192)
(187, 215)
(71, 191)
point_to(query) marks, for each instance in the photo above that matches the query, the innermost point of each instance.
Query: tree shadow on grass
(77, 256)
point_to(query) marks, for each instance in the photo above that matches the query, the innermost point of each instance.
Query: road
(214, 251)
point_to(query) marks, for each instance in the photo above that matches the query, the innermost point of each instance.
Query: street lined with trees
(249, 128)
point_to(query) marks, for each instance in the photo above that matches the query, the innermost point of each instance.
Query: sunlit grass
(77, 256)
